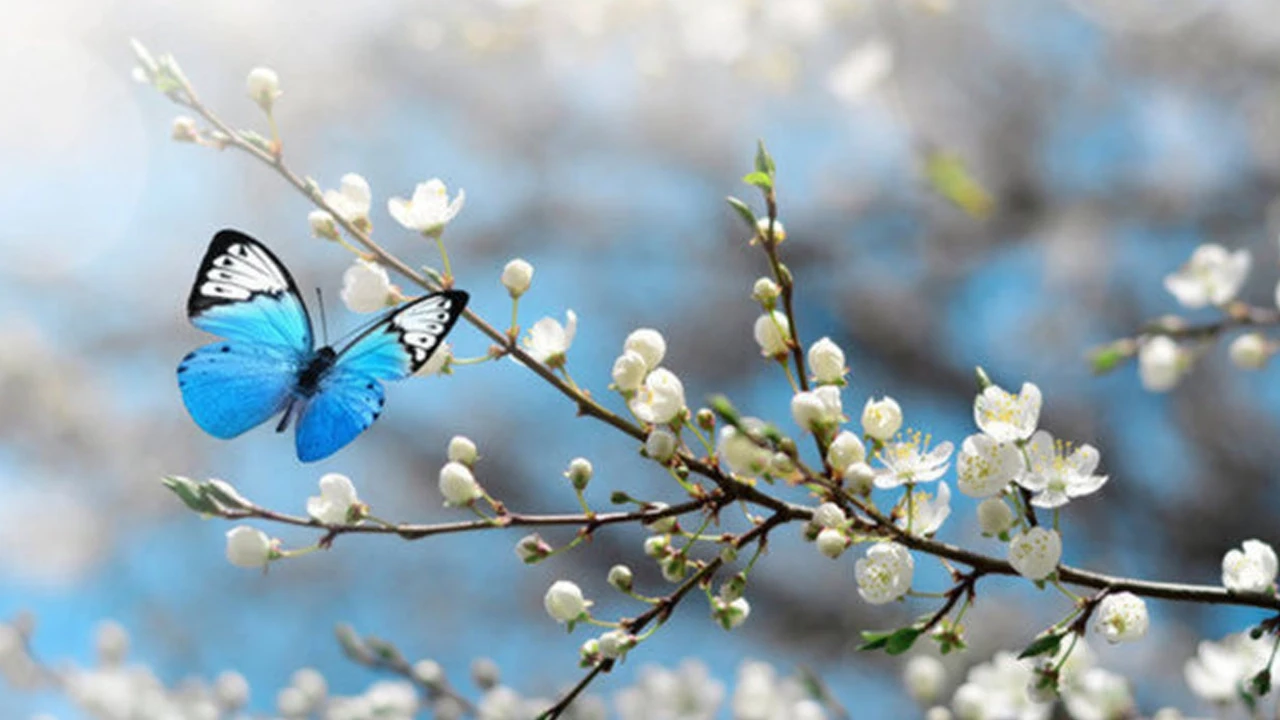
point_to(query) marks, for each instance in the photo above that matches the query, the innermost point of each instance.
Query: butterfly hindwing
(401, 343)
(232, 386)
(243, 292)
(345, 404)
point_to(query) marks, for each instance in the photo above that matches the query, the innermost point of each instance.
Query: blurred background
(1001, 183)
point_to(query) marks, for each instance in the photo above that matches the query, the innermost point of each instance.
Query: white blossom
(184, 129)
(564, 602)
(742, 455)
(1098, 694)
(458, 485)
(911, 461)
(337, 499)
(629, 371)
(772, 333)
(779, 232)
(1035, 553)
(1121, 617)
(986, 466)
(765, 291)
(924, 676)
(928, 512)
(829, 515)
(998, 689)
(366, 287)
(517, 276)
(994, 516)
(438, 360)
(685, 693)
(263, 86)
(816, 409)
(884, 573)
(620, 577)
(110, 641)
(322, 225)
(845, 449)
(1252, 569)
(248, 547)
(1056, 476)
(1219, 669)
(463, 450)
(1160, 363)
(826, 359)
(881, 419)
(660, 399)
(730, 613)
(1007, 417)
(860, 477)
(648, 344)
(615, 643)
(579, 472)
(231, 689)
(1250, 351)
(660, 445)
(1212, 276)
(430, 210)
(352, 200)
(831, 542)
(548, 340)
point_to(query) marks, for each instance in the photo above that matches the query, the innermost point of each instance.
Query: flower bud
(656, 546)
(766, 292)
(264, 87)
(779, 232)
(184, 130)
(111, 641)
(620, 578)
(730, 614)
(517, 276)
(249, 547)
(664, 524)
(660, 445)
(772, 333)
(826, 359)
(1160, 363)
(706, 419)
(829, 515)
(648, 344)
(819, 409)
(629, 371)
(1121, 617)
(881, 419)
(322, 225)
(831, 542)
(845, 449)
(485, 674)
(860, 478)
(532, 548)
(674, 567)
(462, 450)
(458, 485)
(1250, 351)
(615, 643)
(429, 673)
(579, 473)
(924, 676)
(564, 602)
(231, 690)
(1035, 553)
(994, 516)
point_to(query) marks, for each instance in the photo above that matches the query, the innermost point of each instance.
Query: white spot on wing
(421, 326)
(241, 272)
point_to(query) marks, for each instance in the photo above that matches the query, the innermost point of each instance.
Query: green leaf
(764, 161)
(721, 406)
(212, 492)
(1043, 645)
(758, 179)
(875, 639)
(1260, 684)
(950, 178)
(984, 381)
(901, 640)
(383, 649)
(190, 493)
(1107, 358)
(744, 212)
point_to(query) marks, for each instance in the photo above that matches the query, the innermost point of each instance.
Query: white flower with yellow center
(1212, 276)
(884, 573)
(1057, 472)
(985, 466)
(927, 511)
(1007, 417)
(911, 461)
(1036, 552)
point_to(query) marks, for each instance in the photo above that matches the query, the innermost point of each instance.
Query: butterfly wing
(349, 397)
(232, 386)
(243, 292)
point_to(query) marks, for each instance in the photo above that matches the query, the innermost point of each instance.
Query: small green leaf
(382, 649)
(617, 497)
(875, 639)
(721, 406)
(984, 381)
(743, 211)
(1043, 645)
(950, 178)
(758, 179)
(190, 493)
(764, 161)
(1104, 359)
(901, 640)
(1260, 684)
(351, 644)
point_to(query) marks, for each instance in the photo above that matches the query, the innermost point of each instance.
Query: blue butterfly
(268, 362)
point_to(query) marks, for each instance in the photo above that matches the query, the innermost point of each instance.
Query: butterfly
(267, 362)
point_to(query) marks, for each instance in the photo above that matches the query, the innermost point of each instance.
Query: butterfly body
(267, 363)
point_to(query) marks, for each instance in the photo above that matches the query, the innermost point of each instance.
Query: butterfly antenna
(324, 323)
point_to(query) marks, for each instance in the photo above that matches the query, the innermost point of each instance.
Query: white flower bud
(829, 515)
(322, 225)
(532, 548)
(779, 232)
(772, 333)
(831, 542)
(429, 210)
(111, 641)
(248, 547)
(1252, 569)
(884, 573)
(859, 477)
(660, 445)
(1035, 553)
(429, 673)
(730, 614)
(994, 516)
(817, 409)
(484, 673)
(462, 450)
(564, 602)
(366, 287)
(663, 524)
(629, 371)
(458, 485)
(579, 472)
(292, 703)
(881, 419)
(924, 676)
(517, 276)
(231, 690)
(660, 399)
(845, 450)
(311, 683)
(766, 291)
(1250, 351)
(184, 129)
(649, 344)
(826, 359)
(620, 578)
(740, 453)
(1121, 617)
(938, 712)
(1160, 363)
(615, 643)
(264, 87)
(655, 546)
(337, 503)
